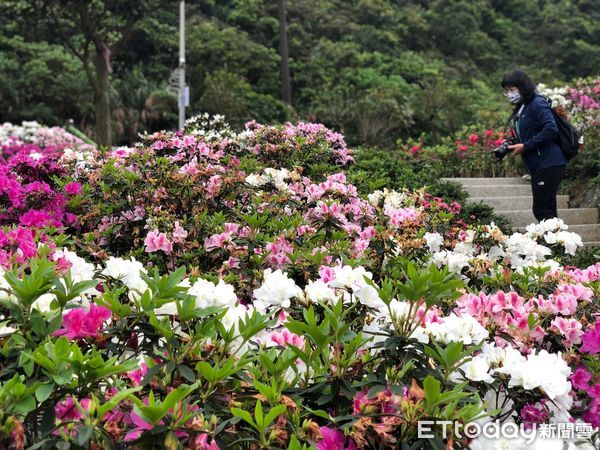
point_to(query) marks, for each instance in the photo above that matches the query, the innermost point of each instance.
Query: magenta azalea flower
(67, 411)
(360, 401)
(591, 340)
(581, 378)
(73, 188)
(140, 427)
(533, 415)
(80, 324)
(334, 440)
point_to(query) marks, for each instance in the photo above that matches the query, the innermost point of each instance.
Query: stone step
(592, 244)
(488, 181)
(509, 190)
(501, 204)
(588, 233)
(574, 216)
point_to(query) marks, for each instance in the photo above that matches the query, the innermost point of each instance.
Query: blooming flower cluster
(219, 288)
(38, 135)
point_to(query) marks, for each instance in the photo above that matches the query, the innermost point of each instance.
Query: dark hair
(520, 80)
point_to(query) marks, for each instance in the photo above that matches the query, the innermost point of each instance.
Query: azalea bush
(118, 354)
(212, 289)
(34, 133)
(232, 204)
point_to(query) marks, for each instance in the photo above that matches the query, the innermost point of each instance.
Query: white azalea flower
(349, 277)
(453, 328)
(168, 309)
(556, 372)
(434, 241)
(277, 290)
(233, 315)
(375, 198)
(368, 296)
(80, 269)
(128, 271)
(208, 294)
(318, 290)
(255, 180)
(478, 369)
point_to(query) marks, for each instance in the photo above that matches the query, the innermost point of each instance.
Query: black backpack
(567, 138)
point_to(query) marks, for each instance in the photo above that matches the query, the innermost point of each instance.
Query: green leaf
(43, 392)
(186, 373)
(531, 322)
(101, 410)
(244, 415)
(432, 390)
(273, 414)
(84, 435)
(295, 444)
(25, 405)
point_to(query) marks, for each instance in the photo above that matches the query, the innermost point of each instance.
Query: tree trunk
(102, 99)
(286, 88)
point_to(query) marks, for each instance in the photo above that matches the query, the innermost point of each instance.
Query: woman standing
(536, 128)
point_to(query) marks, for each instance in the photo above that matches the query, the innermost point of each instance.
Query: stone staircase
(511, 198)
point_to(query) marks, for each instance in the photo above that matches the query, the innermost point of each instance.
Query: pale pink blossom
(156, 241)
(179, 233)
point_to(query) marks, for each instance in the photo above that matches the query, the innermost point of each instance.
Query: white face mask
(513, 96)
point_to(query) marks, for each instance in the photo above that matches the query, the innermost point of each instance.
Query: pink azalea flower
(79, 323)
(213, 186)
(216, 241)
(360, 245)
(156, 241)
(189, 140)
(179, 234)
(68, 411)
(303, 229)
(232, 228)
(569, 328)
(201, 442)
(327, 274)
(38, 219)
(399, 216)
(414, 150)
(158, 145)
(285, 337)
(368, 233)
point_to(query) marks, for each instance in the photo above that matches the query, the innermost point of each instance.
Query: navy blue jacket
(537, 131)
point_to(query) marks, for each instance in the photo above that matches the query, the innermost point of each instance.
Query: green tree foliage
(377, 70)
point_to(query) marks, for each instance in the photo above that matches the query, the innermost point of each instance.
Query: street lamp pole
(182, 88)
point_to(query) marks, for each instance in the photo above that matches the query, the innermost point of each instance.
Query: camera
(503, 150)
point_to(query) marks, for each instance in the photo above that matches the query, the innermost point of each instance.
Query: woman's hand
(516, 149)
